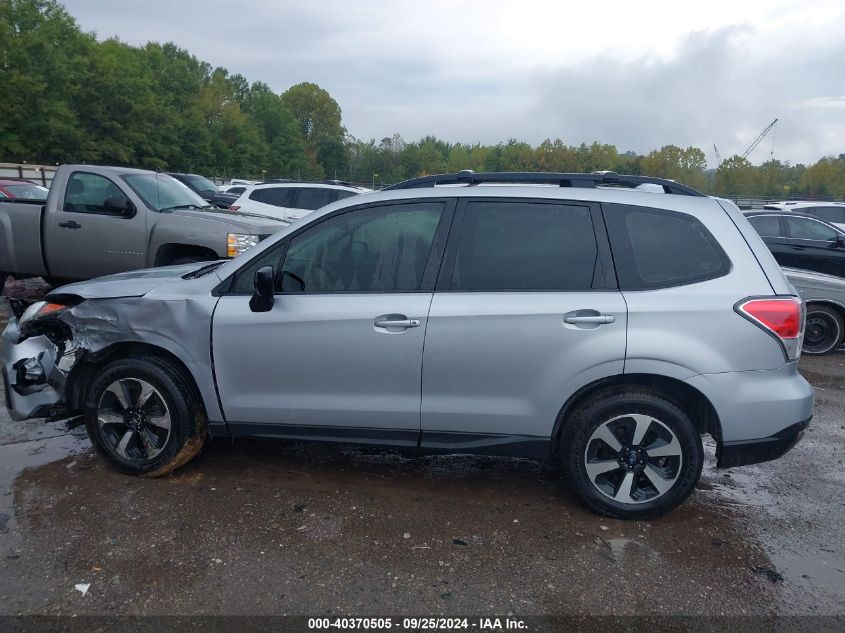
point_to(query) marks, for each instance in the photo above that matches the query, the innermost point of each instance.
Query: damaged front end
(36, 355)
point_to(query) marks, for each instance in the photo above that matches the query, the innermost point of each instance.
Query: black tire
(2, 281)
(174, 393)
(824, 330)
(614, 408)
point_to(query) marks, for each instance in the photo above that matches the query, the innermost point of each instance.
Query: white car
(290, 201)
(832, 212)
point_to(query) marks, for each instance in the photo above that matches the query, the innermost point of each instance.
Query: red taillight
(234, 207)
(782, 317)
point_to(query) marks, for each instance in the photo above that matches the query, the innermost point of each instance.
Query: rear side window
(525, 246)
(766, 225)
(277, 196)
(655, 248)
(313, 198)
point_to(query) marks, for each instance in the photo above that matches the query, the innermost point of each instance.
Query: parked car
(100, 220)
(833, 212)
(233, 190)
(206, 189)
(824, 296)
(798, 240)
(12, 188)
(291, 200)
(482, 318)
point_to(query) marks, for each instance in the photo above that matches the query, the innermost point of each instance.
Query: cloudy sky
(635, 74)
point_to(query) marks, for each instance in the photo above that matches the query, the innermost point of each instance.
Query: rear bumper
(741, 453)
(762, 414)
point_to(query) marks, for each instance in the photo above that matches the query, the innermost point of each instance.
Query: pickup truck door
(87, 234)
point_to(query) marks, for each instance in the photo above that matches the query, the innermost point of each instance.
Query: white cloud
(638, 75)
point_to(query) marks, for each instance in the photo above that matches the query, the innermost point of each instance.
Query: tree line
(68, 97)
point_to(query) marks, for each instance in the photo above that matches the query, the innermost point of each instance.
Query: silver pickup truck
(102, 220)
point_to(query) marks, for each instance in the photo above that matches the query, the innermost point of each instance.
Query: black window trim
(608, 207)
(604, 278)
(93, 173)
(432, 267)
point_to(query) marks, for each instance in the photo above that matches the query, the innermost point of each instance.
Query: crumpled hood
(134, 283)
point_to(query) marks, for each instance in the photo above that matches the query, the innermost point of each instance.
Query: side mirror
(840, 241)
(120, 207)
(262, 298)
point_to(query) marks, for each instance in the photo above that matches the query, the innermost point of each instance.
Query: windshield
(30, 192)
(201, 184)
(160, 191)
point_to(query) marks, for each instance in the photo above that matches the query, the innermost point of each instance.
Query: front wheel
(631, 454)
(144, 416)
(824, 331)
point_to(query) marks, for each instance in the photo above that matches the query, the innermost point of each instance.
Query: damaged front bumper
(34, 373)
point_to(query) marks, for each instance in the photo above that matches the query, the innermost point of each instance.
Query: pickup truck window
(160, 191)
(92, 193)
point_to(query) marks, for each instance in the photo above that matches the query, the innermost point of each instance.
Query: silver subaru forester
(605, 322)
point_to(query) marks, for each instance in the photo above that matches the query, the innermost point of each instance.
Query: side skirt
(528, 446)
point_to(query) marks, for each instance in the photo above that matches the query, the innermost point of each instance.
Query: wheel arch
(827, 303)
(167, 253)
(81, 377)
(688, 398)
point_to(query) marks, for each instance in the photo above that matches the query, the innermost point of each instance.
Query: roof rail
(594, 179)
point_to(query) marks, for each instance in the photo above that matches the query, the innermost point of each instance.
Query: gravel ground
(264, 527)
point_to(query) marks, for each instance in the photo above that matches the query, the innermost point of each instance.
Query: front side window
(766, 225)
(93, 193)
(377, 249)
(513, 246)
(656, 248)
(807, 229)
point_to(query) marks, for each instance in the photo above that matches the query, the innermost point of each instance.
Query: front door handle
(397, 321)
(598, 319)
(71, 225)
(798, 248)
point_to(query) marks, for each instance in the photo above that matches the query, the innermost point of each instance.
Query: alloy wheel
(133, 420)
(633, 458)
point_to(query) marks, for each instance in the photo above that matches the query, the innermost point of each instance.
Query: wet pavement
(264, 527)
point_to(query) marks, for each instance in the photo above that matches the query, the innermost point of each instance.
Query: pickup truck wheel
(631, 454)
(824, 330)
(144, 416)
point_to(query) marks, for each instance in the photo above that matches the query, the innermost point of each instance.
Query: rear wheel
(631, 454)
(824, 331)
(144, 416)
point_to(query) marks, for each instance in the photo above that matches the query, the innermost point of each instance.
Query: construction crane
(759, 138)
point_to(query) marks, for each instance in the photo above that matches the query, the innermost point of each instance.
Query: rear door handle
(396, 323)
(598, 319)
(71, 225)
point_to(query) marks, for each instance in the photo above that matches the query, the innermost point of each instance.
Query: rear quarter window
(656, 248)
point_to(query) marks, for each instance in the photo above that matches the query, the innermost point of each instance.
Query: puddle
(18, 456)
